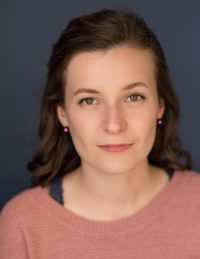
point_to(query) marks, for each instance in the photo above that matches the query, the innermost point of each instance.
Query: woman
(110, 176)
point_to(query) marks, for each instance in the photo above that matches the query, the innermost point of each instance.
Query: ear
(62, 115)
(161, 109)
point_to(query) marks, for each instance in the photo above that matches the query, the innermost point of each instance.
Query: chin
(117, 168)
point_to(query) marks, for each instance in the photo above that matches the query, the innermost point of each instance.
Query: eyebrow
(127, 87)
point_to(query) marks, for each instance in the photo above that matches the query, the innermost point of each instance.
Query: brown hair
(102, 30)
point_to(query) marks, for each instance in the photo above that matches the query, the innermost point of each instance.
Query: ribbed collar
(139, 221)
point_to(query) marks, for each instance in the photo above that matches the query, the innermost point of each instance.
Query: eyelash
(141, 98)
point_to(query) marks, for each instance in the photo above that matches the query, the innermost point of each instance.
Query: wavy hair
(102, 30)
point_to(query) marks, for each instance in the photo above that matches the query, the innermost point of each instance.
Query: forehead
(116, 66)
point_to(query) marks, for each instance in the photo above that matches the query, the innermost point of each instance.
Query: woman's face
(111, 99)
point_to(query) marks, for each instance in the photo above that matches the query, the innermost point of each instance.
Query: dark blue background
(27, 31)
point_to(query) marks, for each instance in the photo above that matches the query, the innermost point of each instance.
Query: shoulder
(183, 192)
(185, 199)
(20, 206)
(191, 176)
(189, 179)
(188, 185)
(23, 211)
(14, 217)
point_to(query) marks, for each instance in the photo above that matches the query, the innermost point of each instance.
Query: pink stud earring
(66, 129)
(159, 121)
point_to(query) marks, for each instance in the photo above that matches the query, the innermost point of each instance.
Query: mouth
(115, 147)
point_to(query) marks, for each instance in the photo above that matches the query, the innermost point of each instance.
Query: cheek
(143, 118)
(83, 123)
(149, 134)
(84, 118)
(144, 124)
(82, 128)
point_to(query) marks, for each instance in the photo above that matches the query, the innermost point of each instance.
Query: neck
(116, 194)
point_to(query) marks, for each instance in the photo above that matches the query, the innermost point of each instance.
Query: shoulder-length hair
(101, 30)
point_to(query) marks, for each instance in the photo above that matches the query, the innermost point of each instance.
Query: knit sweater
(33, 225)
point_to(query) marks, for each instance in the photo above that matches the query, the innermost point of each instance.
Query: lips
(116, 147)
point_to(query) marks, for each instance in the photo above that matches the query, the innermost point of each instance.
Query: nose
(114, 120)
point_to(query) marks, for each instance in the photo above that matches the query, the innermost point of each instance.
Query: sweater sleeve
(12, 241)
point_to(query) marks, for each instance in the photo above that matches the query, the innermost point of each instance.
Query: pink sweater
(33, 225)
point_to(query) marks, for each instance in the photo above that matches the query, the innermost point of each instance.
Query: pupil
(133, 97)
(89, 101)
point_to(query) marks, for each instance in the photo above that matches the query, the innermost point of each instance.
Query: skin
(112, 185)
